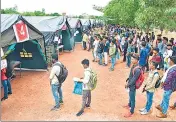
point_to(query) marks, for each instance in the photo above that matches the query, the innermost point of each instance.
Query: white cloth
(106, 57)
(167, 54)
(123, 41)
(95, 44)
(86, 79)
(54, 71)
(4, 61)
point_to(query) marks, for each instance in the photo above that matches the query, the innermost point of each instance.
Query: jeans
(147, 64)
(113, 59)
(86, 99)
(165, 102)
(132, 95)
(122, 47)
(55, 90)
(100, 56)
(106, 57)
(117, 56)
(7, 87)
(149, 100)
(84, 45)
(124, 56)
(128, 61)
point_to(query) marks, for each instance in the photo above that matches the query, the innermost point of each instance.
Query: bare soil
(32, 98)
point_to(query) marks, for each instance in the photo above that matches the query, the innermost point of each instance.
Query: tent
(86, 24)
(52, 27)
(31, 52)
(93, 23)
(76, 28)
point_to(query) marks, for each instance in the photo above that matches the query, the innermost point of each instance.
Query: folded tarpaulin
(77, 88)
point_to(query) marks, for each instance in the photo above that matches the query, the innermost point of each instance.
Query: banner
(21, 31)
(4, 61)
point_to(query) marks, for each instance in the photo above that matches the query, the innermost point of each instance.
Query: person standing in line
(168, 53)
(95, 44)
(125, 49)
(86, 96)
(6, 84)
(131, 84)
(106, 49)
(129, 53)
(169, 85)
(85, 40)
(112, 54)
(55, 83)
(149, 87)
(100, 51)
(143, 56)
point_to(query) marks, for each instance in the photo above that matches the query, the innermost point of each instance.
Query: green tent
(31, 53)
(52, 26)
(76, 29)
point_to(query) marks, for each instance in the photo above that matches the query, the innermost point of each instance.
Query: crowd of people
(142, 52)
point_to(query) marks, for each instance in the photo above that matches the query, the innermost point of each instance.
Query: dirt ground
(32, 98)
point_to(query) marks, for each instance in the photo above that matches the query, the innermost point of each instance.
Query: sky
(71, 7)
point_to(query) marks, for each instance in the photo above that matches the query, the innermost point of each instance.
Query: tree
(152, 13)
(12, 10)
(122, 11)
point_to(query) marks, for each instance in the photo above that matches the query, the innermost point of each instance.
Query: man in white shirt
(95, 44)
(86, 96)
(54, 82)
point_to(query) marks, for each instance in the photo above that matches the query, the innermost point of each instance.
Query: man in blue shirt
(143, 56)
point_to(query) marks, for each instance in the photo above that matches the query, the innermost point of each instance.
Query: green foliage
(13, 10)
(144, 14)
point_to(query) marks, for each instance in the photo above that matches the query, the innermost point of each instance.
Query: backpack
(93, 80)
(63, 73)
(158, 82)
(140, 79)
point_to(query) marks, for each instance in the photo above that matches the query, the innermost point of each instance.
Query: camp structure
(22, 42)
(76, 29)
(93, 23)
(86, 24)
(52, 28)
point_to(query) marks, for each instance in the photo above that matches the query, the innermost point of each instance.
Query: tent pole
(45, 49)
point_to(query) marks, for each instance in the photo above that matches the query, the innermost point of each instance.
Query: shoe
(4, 98)
(104, 64)
(159, 108)
(61, 102)
(144, 112)
(127, 107)
(79, 113)
(93, 60)
(141, 110)
(9, 93)
(161, 115)
(87, 106)
(172, 107)
(128, 115)
(55, 108)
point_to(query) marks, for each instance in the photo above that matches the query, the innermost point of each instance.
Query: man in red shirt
(6, 84)
(156, 57)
